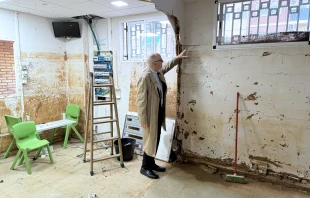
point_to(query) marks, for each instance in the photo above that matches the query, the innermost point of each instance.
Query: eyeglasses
(159, 61)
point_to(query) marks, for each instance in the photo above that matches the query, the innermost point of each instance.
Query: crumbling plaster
(56, 72)
(127, 72)
(274, 108)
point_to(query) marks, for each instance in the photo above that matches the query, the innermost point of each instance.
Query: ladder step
(105, 121)
(87, 150)
(102, 103)
(102, 85)
(108, 157)
(104, 158)
(102, 133)
(102, 117)
(105, 139)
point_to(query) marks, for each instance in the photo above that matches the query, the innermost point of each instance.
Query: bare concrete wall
(274, 120)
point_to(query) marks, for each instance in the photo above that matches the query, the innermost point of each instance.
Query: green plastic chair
(72, 113)
(10, 122)
(26, 140)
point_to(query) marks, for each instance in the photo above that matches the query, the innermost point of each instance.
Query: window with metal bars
(141, 38)
(263, 21)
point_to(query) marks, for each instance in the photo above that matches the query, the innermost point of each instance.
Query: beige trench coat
(148, 103)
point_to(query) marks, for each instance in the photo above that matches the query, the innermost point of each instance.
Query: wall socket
(24, 74)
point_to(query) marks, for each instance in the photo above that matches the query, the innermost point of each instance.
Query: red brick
(11, 86)
(6, 70)
(8, 43)
(5, 53)
(6, 75)
(8, 55)
(8, 81)
(6, 64)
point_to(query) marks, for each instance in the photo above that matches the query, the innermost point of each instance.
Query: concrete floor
(69, 177)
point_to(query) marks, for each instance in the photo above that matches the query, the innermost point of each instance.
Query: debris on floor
(1, 181)
(293, 178)
(208, 168)
(92, 195)
(258, 166)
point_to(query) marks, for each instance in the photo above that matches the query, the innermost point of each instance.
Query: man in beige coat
(151, 104)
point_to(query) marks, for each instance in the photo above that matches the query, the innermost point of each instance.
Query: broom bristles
(235, 179)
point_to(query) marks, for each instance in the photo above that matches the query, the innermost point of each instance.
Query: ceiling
(61, 9)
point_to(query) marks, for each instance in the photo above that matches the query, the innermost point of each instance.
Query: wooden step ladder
(92, 121)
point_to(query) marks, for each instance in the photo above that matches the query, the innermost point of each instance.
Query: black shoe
(158, 168)
(149, 173)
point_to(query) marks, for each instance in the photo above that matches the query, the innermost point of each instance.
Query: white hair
(151, 58)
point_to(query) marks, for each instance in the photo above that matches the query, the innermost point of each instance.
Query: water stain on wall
(252, 96)
(8, 106)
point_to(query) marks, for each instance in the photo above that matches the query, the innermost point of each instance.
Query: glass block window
(263, 21)
(140, 38)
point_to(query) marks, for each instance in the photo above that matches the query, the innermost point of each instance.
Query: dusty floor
(69, 177)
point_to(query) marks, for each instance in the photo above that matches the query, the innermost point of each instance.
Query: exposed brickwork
(7, 73)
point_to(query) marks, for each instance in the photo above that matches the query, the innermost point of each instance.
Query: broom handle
(236, 145)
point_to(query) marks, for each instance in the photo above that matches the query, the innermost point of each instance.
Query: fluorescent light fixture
(119, 3)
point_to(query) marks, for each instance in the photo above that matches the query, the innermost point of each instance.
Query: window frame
(145, 20)
(217, 18)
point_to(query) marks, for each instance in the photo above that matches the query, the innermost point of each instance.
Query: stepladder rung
(105, 121)
(105, 117)
(102, 133)
(95, 149)
(103, 103)
(104, 158)
(102, 85)
(105, 139)
(108, 157)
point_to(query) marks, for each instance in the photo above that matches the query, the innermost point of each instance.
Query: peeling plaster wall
(76, 58)
(274, 120)
(45, 94)
(128, 72)
(11, 105)
(56, 71)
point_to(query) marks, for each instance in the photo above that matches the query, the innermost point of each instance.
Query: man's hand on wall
(181, 55)
(144, 126)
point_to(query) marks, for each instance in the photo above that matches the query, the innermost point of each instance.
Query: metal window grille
(263, 21)
(144, 37)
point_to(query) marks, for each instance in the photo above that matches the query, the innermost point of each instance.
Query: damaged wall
(274, 120)
(47, 92)
(76, 59)
(128, 72)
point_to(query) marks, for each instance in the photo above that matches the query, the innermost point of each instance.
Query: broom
(236, 178)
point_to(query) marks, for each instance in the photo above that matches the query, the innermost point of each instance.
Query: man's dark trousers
(148, 162)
